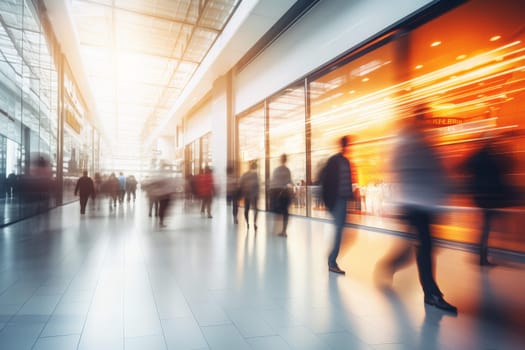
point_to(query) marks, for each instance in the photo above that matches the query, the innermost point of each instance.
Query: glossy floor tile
(116, 280)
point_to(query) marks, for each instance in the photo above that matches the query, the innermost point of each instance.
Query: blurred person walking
(84, 188)
(336, 187)
(160, 190)
(153, 202)
(232, 192)
(121, 187)
(205, 190)
(98, 190)
(423, 188)
(10, 185)
(131, 188)
(249, 186)
(488, 168)
(281, 192)
(111, 187)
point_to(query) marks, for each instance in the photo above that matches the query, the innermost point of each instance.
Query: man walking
(84, 188)
(336, 180)
(422, 190)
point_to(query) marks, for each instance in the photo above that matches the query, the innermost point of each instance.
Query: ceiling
(139, 55)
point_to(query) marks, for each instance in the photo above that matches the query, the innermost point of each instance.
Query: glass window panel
(356, 99)
(474, 82)
(252, 148)
(287, 135)
(468, 67)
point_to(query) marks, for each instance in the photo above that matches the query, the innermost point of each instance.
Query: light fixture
(495, 37)
(461, 57)
(365, 80)
(351, 92)
(419, 66)
(435, 43)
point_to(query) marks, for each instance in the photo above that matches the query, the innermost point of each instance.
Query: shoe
(209, 216)
(235, 221)
(486, 263)
(255, 227)
(336, 269)
(440, 303)
(282, 234)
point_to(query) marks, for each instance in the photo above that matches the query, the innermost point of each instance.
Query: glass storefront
(198, 156)
(251, 134)
(287, 136)
(28, 111)
(77, 137)
(29, 97)
(466, 65)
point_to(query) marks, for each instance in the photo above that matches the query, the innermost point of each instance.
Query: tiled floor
(113, 280)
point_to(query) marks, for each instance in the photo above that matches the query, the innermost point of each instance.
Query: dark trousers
(121, 194)
(284, 199)
(421, 219)
(250, 202)
(83, 203)
(206, 204)
(488, 215)
(131, 193)
(153, 204)
(163, 208)
(234, 200)
(339, 214)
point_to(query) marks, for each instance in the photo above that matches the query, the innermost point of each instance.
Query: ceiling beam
(83, 43)
(151, 15)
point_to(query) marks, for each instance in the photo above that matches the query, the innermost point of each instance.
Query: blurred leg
(421, 220)
(484, 239)
(83, 203)
(246, 210)
(235, 208)
(339, 214)
(255, 213)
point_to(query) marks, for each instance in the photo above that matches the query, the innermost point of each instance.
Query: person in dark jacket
(84, 189)
(131, 187)
(232, 192)
(488, 167)
(423, 189)
(249, 187)
(111, 187)
(281, 193)
(336, 181)
(11, 185)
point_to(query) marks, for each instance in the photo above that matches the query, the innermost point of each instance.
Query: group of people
(116, 188)
(247, 189)
(421, 183)
(423, 188)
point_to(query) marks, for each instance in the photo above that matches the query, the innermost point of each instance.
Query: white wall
(325, 32)
(219, 133)
(198, 123)
(212, 117)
